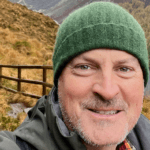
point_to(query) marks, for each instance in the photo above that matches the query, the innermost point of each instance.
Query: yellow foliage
(141, 14)
(26, 38)
(146, 107)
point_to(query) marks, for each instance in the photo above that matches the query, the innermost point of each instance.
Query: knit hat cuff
(112, 36)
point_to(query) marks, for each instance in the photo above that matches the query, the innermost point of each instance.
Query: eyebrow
(127, 60)
(123, 61)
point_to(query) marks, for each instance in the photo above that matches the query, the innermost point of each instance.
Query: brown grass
(146, 107)
(27, 38)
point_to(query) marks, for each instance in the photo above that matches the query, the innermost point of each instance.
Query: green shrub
(7, 83)
(145, 110)
(19, 44)
(8, 123)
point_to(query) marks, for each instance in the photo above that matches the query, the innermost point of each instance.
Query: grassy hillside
(27, 38)
(141, 13)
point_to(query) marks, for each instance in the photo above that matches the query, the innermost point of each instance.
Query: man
(100, 71)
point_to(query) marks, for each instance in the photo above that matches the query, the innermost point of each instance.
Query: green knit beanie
(99, 25)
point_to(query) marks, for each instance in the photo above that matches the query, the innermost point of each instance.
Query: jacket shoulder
(8, 141)
(140, 135)
(24, 145)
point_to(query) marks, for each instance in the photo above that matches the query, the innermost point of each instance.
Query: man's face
(101, 95)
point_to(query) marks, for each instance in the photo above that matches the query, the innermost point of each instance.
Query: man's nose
(106, 87)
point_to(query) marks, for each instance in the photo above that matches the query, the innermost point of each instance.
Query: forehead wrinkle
(83, 58)
(92, 59)
(122, 61)
(127, 60)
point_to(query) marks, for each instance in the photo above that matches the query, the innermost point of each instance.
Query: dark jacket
(43, 129)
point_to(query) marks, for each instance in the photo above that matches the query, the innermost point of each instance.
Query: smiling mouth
(112, 112)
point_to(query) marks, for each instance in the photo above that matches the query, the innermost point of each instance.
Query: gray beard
(78, 128)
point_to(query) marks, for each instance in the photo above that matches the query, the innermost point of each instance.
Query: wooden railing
(19, 80)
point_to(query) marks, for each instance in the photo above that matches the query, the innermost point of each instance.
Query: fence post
(0, 75)
(44, 80)
(19, 77)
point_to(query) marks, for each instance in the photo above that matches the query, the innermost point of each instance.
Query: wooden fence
(19, 80)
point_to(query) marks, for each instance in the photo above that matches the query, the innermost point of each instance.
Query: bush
(19, 44)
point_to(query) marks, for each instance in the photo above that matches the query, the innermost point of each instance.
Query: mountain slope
(18, 18)
(26, 38)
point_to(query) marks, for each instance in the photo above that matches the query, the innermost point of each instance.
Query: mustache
(97, 102)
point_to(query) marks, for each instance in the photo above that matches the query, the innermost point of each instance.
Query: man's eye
(125, 69)
(83, 67)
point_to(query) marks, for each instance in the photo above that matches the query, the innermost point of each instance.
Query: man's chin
(95, 138)
(87, 141)
(104, 143)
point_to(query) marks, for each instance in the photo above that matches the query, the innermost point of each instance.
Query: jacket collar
(138, 136)
(45, 129)
(57, 127)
